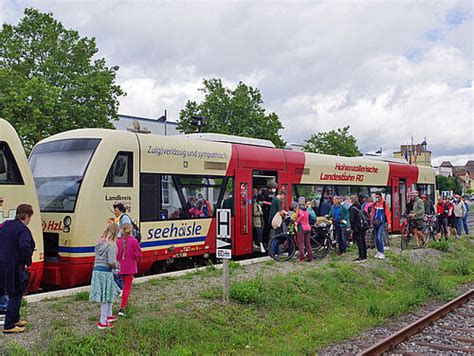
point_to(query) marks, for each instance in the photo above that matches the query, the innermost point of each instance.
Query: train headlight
(67, 222)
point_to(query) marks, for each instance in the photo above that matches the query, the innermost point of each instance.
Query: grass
(295, 313)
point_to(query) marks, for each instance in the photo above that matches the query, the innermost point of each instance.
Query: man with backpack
(359, 221)
(122, 218)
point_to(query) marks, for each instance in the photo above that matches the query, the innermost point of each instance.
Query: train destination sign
(223, 236)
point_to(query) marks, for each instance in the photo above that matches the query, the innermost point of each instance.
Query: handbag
(377, 223)
(276, 221)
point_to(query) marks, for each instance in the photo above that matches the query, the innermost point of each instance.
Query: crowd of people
(352, 216)
(117, 253)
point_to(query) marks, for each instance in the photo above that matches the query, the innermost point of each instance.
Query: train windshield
(58, 168)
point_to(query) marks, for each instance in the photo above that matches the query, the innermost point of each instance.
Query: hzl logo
(10, 215)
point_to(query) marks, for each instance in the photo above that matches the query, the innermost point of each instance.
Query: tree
(49, 82)
(233, 112)
(335, 142)
(449, 184)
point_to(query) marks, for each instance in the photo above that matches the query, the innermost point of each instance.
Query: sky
(391, 70)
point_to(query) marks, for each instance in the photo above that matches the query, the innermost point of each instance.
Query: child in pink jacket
(128, 255)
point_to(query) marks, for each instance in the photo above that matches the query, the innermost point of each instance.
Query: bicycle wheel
(405, 239)
(282, 247)
(320, 246)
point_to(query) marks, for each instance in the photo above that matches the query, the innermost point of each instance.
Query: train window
(149, 197)
(426, 189)
(226, 197)
(171, 205)
(201, 194)
(9, 172)
(121, 172)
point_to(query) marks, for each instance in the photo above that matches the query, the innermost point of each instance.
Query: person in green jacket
(417, 214)
(340, 217)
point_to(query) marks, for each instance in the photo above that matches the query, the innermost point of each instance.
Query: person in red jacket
(129, 253)
(442, 210)
(304, 230)
(380, 216)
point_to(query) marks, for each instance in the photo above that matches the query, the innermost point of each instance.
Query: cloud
(389, 69)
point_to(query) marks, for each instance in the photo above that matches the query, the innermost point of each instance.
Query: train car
(81, 174)
(17, 187)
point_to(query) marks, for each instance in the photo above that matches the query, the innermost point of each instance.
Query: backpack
(364, 219)
(135, 229)
(312, 216)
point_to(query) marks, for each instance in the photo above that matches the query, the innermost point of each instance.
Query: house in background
(159, 126)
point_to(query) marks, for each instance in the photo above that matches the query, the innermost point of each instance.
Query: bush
(246, 292)
(458, 267)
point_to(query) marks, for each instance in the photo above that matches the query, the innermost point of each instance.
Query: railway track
(448, 330)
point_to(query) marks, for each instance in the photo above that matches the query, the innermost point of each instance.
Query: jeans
(464, 222)
(3, 302)
(12, 315)
(359, 237)
(340, 238)
(274, 243)
(379, 237)
(257, 235)
(459, 225)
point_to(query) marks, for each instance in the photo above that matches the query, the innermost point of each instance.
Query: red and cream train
(80, 174)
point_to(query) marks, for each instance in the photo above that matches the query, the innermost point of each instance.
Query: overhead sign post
(224, 246)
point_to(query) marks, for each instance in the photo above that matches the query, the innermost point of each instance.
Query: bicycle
(322, 239)
(407, 239)
(430, 231)
(282, 247)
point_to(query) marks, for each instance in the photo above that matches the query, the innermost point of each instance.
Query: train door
(242, 238)
(403, 196)
(285, 183)
(260, 182)
(396, 204)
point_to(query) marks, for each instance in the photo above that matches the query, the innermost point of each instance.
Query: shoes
(15, 330)
(377, 255)
(255, 247)
(112, 318)
(358, 260)
(387, 247)
(121, 292)
(381, 256)
(121, 312)
(107, 325)
(262, 249)
(21, 324)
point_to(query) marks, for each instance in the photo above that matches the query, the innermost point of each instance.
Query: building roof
(446, 164)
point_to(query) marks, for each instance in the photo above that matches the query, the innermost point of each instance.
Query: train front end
(66, 168)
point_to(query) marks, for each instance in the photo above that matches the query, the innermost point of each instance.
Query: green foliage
(49, 81)
(442, 246)
(232, 112)
(334, 142)
(293, 313)
(449, 184)
(246, 292)
(82, 296)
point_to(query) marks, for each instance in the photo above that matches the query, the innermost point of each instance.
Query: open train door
(242, 239)
(396, 209)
